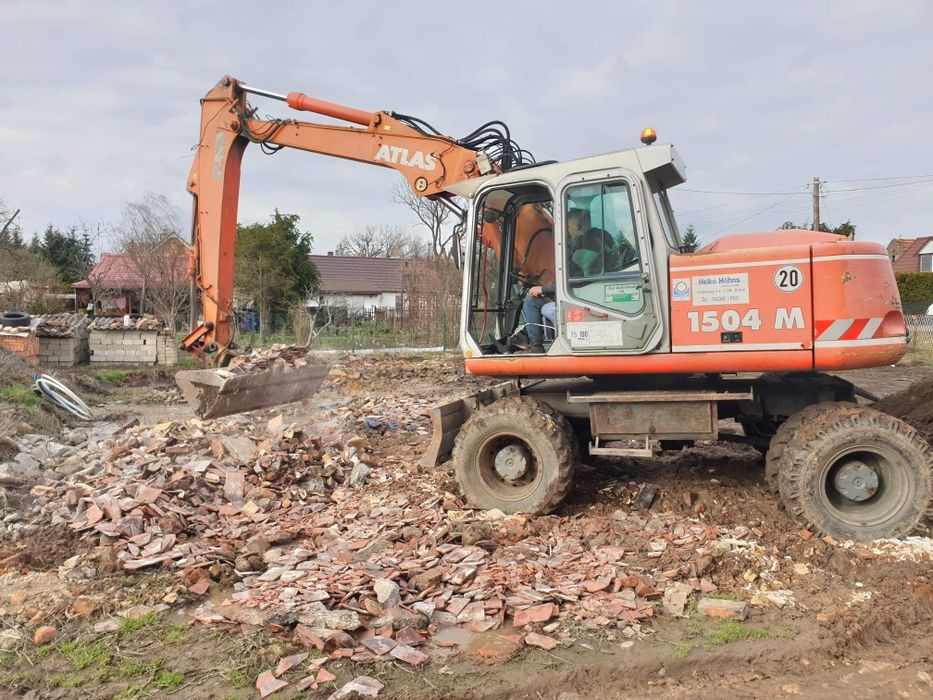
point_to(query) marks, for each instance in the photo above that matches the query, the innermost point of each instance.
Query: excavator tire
(784, 436)
(856, 473)
(517, 454)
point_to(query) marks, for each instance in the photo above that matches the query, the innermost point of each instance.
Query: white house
(359, 284)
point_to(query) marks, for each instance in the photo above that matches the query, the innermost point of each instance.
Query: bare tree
(10, 233)
(309, 321)
(149, 235)
(25, 278)
(431, 214)
(432, 299)
(382, 242)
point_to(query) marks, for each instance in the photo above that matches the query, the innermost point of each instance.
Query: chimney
(330, 253)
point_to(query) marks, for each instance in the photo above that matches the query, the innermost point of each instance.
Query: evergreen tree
(689, 243)
(68, 252)
(273, 265)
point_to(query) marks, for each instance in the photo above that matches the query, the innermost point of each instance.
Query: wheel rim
(508, 466)
(865, 485)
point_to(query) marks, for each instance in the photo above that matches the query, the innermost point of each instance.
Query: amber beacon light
(648, 136)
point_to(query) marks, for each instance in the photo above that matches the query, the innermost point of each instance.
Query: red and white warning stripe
(848, 329)
(848, 332)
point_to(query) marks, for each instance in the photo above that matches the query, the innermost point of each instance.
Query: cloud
(101, 99)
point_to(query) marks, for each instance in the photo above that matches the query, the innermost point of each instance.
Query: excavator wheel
(517, 454)
(784, 436)
(853, 472)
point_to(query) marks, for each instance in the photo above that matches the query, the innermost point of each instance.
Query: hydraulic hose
(61, 395)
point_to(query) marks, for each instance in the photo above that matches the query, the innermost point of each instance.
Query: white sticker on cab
(594, 334)
(712, 290)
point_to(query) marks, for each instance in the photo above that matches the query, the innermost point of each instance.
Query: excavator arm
(429, 162)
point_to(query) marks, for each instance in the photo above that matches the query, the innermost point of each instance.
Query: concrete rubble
(275, 356)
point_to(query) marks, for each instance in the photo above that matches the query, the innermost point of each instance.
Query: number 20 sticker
(788, 278)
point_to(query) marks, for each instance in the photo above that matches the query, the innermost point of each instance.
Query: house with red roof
(912, 254)
(117, 284)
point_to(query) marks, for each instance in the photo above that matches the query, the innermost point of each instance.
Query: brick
(714, 607)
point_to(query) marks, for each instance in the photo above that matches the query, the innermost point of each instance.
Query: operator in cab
(590, 251)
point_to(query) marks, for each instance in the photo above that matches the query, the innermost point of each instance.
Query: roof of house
(909, 260)
(342, 274)
(117, 271)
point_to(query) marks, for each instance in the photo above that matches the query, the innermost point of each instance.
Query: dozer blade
(448, 418)
(218, 392)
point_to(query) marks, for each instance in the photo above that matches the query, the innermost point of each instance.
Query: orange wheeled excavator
(642, 346)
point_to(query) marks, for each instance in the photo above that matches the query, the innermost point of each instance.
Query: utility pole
(816, 204)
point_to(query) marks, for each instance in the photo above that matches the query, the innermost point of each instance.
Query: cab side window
(603, 258)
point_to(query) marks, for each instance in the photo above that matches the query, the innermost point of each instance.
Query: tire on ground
(831, 435)
(546, 435)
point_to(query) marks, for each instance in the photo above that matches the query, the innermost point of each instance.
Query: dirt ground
(853, 622)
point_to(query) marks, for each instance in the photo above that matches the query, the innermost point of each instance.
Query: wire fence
(921, 331)
(427, 314)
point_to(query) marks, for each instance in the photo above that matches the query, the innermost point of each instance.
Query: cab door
(607, 301)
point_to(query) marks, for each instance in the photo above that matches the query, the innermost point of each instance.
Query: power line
(721, 217)
(885, 187)
(753, 216)
(739, 194)
(878, 179)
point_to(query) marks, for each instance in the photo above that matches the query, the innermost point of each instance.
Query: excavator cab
(595, 233)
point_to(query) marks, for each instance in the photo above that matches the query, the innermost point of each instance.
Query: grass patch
(730, 631)
(114, 376)
(918, 356)
(176, 634)
(13, 679)
(20, 394)
(83, 655)
(239, 678)
(130, 668)
(134, 624)
(704, 632)
(66, 681)
(168, 680)
(683, 651)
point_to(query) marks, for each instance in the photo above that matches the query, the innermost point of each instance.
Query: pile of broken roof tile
(264, 358)
(119, 323)
(356, 553)
(61, 326)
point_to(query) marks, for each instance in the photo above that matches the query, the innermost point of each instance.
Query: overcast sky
(100, 100)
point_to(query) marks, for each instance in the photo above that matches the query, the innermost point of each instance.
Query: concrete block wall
(134, 347)
(64, 352)
(166, 350)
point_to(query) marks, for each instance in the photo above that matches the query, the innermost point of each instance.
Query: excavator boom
(429, 162)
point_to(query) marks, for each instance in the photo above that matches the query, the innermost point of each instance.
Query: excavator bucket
(219, 392)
